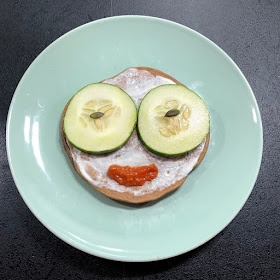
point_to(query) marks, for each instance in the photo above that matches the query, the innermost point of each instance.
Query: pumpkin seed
(96, 115)
(172, 113)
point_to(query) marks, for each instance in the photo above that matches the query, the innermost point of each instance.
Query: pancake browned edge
(127, 196)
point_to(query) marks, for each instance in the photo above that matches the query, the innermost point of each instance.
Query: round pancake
(126, 196)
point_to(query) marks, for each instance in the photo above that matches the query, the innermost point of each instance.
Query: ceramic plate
(212, 194)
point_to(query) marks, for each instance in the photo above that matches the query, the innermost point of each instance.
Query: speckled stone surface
(249, 248)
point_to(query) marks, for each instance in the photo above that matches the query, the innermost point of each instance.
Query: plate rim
(103, 254)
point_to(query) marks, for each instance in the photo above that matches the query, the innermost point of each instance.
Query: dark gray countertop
(249, 248)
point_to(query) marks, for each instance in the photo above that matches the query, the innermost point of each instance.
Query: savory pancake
(172, 172)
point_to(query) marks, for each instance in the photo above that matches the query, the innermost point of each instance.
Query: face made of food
(94, 168)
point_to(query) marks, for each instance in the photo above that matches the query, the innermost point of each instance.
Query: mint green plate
(213, 193)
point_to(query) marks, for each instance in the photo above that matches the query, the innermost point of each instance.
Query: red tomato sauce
(132, 176)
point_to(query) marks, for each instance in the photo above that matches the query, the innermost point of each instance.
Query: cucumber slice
(101, 132)
(180, 132)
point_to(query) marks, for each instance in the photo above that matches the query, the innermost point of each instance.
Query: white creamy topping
(94, 168)
(137, 83)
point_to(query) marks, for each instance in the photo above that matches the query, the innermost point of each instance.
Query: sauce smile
(132, 176)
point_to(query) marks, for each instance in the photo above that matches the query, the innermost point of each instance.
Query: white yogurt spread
(137, 83)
